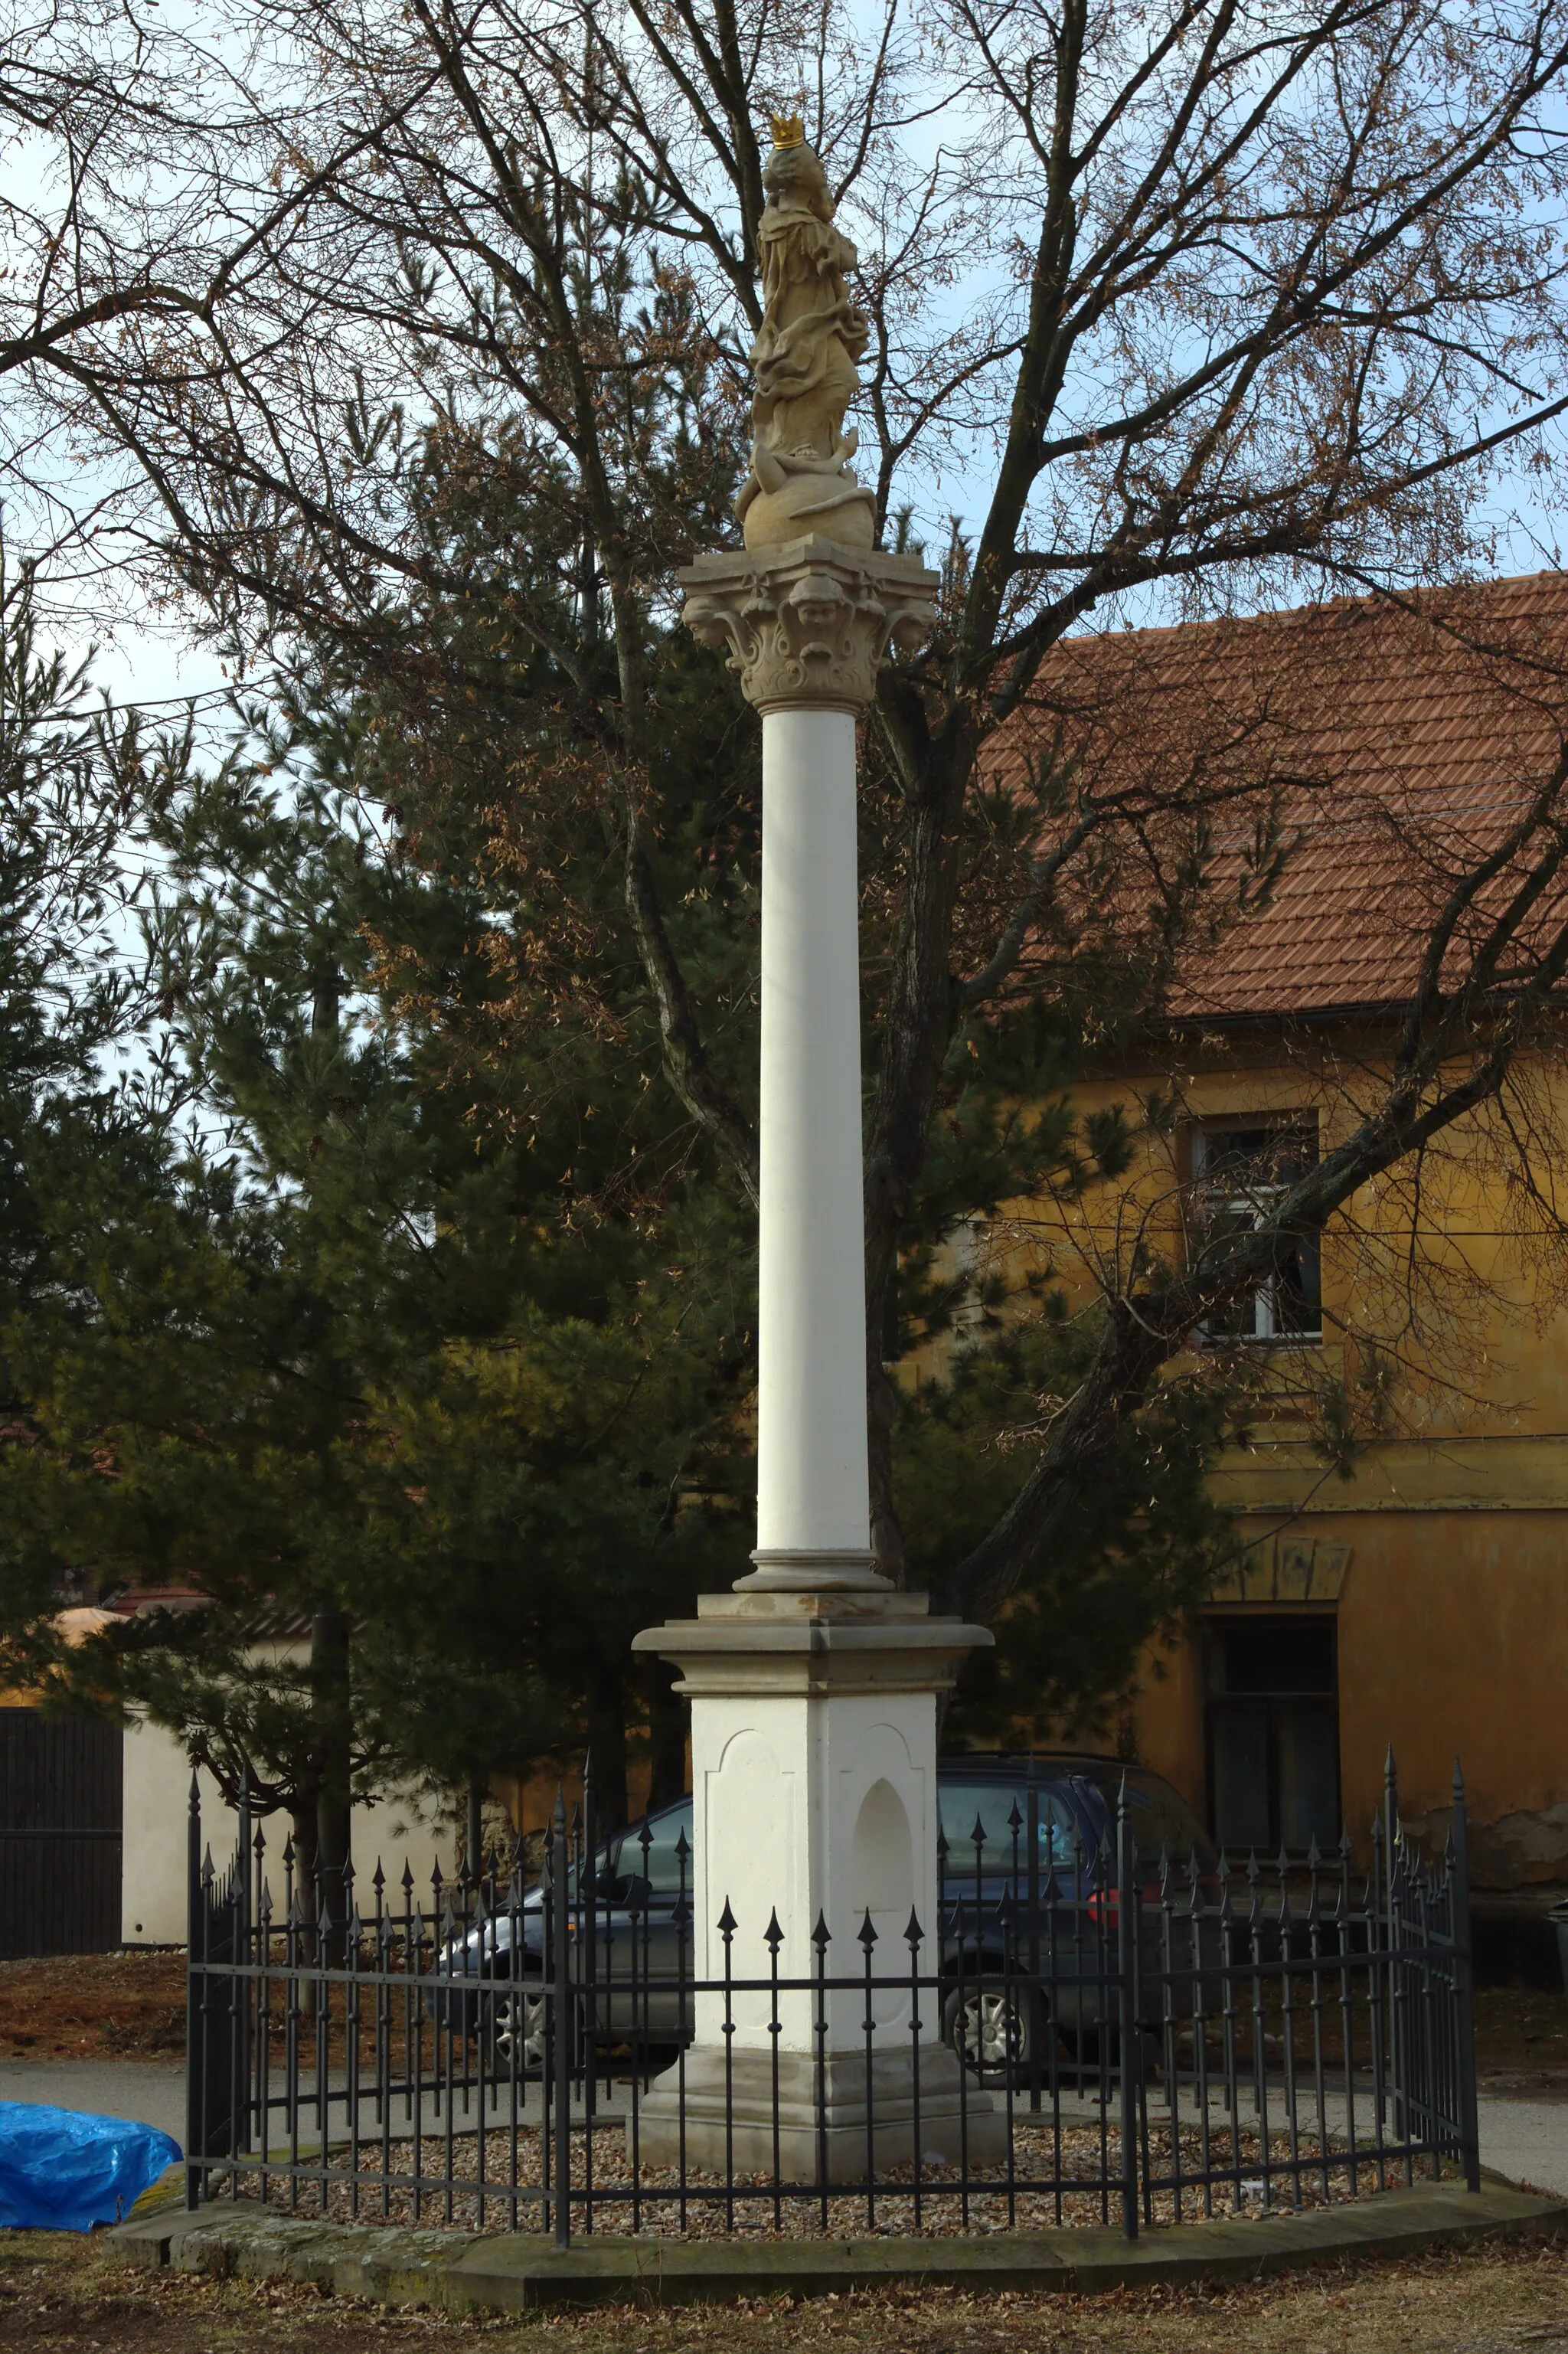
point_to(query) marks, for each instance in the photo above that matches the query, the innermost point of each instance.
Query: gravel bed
(1041, 2155)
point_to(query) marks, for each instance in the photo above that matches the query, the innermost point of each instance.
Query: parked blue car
(1025, 1950)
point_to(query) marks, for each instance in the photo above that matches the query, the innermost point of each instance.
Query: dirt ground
(94, 2006)
(132, 2006)
(63, 2296)
(1519, 2031)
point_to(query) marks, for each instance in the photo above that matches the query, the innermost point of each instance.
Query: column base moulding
(770, 1641)
(821, 2115)
(778, 1571)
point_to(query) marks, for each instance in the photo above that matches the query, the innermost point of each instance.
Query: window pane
(961, 1804)
(1309, 1779)
(663, 1865)
(1246, 1318)
(1297, 1294)
(1274, 1655)
(1241, 1777)
(1266, 1155)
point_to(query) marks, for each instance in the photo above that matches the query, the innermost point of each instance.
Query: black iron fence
(1081, 2035)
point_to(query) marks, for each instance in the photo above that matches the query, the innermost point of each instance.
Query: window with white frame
(1240, 1169)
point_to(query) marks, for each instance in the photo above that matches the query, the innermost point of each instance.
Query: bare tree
(1191, 304)
(132, 240)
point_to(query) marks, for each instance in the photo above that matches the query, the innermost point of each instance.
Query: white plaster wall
(155, 1823)
(396, 1832)
(763, 1844)
(156, 1819)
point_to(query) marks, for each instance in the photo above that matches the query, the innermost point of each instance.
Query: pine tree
(432, 1347)
(366, 1365)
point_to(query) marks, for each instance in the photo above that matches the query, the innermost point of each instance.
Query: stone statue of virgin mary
(804, 361)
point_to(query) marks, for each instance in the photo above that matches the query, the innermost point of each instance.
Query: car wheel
(515, 2023)
(988, 2027)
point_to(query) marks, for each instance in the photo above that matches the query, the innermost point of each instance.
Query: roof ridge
(1375, 599)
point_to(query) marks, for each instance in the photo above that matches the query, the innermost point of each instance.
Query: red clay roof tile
(1400, 742)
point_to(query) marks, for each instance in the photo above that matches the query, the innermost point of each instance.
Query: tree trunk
(302, 1826)
(330, 1696)
(473, 1836)
(667, 1723)
(607, 1747)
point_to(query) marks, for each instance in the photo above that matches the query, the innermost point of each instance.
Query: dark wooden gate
(60, 1809)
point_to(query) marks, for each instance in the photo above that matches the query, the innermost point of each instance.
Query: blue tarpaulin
(63, 2171)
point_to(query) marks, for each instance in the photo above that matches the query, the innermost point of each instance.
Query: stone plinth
(814, 1796)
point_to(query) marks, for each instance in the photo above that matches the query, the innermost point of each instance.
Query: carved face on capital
(794, 175)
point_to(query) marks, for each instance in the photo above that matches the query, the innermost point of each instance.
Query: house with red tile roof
(1354, 782)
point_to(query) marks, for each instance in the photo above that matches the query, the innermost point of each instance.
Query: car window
(662, 1870)
(1160, 1817)
(963, 1804)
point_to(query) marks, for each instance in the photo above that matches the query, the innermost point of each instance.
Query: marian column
(813, 1684)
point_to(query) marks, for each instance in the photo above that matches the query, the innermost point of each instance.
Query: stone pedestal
(815, 1799)
(813, 1685)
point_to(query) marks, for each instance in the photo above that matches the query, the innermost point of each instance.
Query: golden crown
(788, 130)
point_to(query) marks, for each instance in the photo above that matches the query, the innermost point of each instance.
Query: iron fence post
(1127, 1967)
(1036, 2008)
(682, 1931)
(1398, 2055)
(820, 1941)
(727, 1925)
(244, 1990)
(194, 2103)
(913, 1937)
(561, 2215)
(587, 1963)
(1464, 1990)
(773, 1937)
(867, 1936)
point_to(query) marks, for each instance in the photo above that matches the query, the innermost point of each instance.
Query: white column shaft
(811, 1492)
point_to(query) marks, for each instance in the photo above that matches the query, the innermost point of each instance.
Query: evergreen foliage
(425, 1353)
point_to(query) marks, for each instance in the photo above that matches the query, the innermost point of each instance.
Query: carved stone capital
(808, 624)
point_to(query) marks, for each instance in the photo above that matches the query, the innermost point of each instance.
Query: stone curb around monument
(519, 2272)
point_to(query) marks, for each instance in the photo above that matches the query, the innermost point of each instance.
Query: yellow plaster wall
(1453, 1639)
(1452, 1614)
(1499, 1361)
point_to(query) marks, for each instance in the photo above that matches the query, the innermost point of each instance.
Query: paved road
(1524, 2134)
(154, 2093)
(150, 2092)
